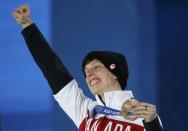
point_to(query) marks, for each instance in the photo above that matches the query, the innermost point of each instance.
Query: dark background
(151, 33)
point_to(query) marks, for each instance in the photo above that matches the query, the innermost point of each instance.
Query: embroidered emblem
(112, 66)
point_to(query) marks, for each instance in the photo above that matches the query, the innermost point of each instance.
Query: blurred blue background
(151, 33)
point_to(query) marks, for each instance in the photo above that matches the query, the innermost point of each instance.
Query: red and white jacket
(80, 109)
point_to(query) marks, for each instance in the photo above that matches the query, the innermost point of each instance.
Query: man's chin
(95, 91)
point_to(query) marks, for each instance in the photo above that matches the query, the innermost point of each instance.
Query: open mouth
(94, 81)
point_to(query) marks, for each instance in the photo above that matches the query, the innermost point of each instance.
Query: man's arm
(65, 90)
(50, 64)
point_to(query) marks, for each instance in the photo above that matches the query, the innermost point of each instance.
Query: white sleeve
(72, 100)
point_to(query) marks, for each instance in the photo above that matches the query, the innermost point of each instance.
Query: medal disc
(125, 109)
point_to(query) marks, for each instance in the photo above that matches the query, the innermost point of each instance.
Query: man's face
(99, 79)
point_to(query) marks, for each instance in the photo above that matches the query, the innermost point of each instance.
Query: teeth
(94, 81)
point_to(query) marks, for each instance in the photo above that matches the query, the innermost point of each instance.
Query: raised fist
(22, 15)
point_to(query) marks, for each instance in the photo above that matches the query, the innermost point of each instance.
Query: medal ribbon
(98, 109)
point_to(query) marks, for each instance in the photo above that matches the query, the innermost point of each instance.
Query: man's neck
(102, 97)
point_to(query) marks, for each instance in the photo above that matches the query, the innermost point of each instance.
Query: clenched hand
(22, 15)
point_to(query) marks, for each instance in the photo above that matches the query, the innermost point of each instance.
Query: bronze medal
(125, 109)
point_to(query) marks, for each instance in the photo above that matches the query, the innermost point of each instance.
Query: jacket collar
(115, 99)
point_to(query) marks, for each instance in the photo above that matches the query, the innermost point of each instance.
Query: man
(106, 76)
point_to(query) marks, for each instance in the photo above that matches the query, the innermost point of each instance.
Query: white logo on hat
(112, 66)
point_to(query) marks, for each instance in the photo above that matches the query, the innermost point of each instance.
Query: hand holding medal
(132, 109)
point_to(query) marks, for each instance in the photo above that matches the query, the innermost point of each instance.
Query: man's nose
(89, 72)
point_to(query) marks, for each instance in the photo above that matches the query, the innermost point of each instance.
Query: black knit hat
(115, 62)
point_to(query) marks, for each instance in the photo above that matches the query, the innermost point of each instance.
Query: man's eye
(97, 67)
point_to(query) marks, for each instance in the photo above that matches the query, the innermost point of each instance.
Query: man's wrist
(154, 125)
(28, 23)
